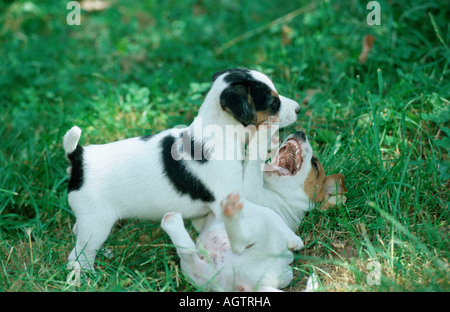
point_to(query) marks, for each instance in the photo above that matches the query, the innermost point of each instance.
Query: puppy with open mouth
(250, 247)
(294, 181)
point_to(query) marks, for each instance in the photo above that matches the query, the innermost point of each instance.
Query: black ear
(237, 100)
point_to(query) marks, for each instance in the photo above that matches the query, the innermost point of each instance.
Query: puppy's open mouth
(288, 160)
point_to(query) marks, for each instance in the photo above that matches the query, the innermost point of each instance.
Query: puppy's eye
(273, 102)
(276, 102)
(314, 163)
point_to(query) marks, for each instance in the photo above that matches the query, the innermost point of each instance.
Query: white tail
(71, 138)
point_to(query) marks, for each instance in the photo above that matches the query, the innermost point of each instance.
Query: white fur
(126, 179)
(71, 138)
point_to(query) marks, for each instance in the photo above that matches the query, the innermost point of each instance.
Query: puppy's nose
(298, 109)
(301, 135)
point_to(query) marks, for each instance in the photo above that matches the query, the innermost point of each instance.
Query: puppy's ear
(237, 100)
(334, 188)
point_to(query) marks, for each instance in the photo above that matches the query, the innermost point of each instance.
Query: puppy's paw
(74, 266)
(295, 243)
(80, 273)
(107, 253)
(231, 206)
(81, 266)
(171, 219)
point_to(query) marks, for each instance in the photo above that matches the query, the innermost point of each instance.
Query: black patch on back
(76, 175)
(184, 181)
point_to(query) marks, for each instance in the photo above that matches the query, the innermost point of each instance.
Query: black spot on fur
(184, 181)
(76, 175)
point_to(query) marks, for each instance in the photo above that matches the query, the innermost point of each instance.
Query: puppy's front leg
(265, 139)
(294, 242)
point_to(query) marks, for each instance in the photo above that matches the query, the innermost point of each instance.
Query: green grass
(143, 66)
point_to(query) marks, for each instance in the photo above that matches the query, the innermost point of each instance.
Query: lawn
(138, 67)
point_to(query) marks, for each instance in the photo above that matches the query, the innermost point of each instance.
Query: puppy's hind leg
(91, 233)
(193, 265)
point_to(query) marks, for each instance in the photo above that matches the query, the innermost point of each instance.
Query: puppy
(250, 248)
(182, 169)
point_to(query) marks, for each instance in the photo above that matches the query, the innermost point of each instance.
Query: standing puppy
(187, 170)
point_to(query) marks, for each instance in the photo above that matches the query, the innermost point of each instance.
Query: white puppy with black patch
(188, 170)
(250, 248)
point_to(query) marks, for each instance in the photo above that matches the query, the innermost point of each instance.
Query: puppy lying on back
(250, 247)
